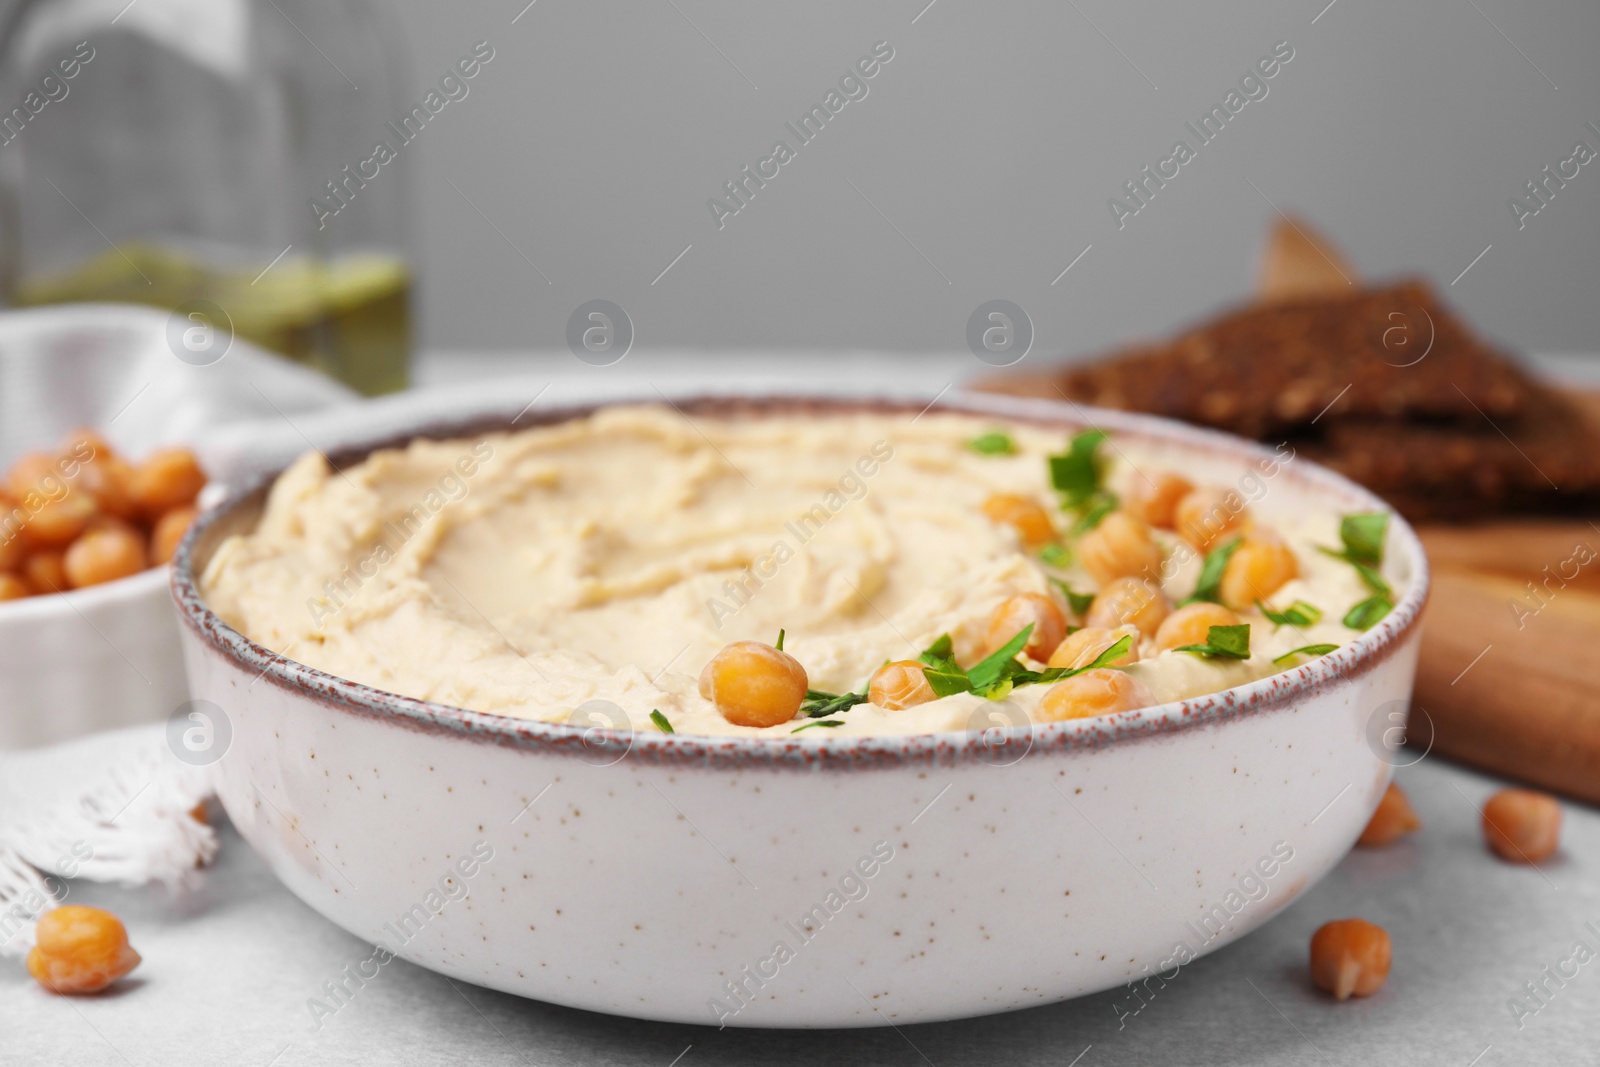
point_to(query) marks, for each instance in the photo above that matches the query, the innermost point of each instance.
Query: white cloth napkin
(112, 367)
(114, 807)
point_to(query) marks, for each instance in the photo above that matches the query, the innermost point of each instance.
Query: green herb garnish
(1104, 660)
(661, 721)
(1309, 650)
(824, 722)
(818, 704)
(993, 443)
(1366, 614)
(1208, 587)
(1297, 614)
(1078, 601)
(1223, 642)
(1076, 473)
(1091, 511)
(1362, 537)
(1055, 556)
(992, 669)
(779, 645)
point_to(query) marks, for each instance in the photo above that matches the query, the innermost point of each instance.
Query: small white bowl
(830, 882)
(93, 659)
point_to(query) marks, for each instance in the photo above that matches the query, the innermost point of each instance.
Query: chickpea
(1026, 516)
(1097, 692)
(13, 546)
(1522, 826)
(1206, 515)
(1259, 567)
(80, 950)
(107, 479)
(753, 684)
(167, 479)
(13, 587)
(168, 531)
(900, 685)
(1083, 647)
(1392, 821)
(1049, 624)
(1154, 499)
(36, 472)
(1191, 624)
(1137, 602)
(104, 554)
(60, 521)
(83, 438)
(1350, 956)
(46, 572)
(1120, 547)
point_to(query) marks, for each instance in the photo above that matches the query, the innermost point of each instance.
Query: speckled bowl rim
(598, 746)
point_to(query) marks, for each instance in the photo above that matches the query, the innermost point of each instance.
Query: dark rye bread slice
(1266, 370)
(1546, 461)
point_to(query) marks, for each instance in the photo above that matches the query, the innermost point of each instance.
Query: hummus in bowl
(590, 571)
(447, 746)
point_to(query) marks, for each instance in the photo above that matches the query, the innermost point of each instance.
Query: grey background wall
(991, 143)
(981, 160)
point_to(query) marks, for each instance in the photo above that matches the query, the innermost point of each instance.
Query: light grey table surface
(227, 974)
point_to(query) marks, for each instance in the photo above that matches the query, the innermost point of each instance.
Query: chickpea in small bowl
(88, 639)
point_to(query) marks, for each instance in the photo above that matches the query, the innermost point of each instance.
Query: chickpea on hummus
(858, 573)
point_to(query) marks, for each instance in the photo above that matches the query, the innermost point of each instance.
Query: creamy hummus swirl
(609, 558)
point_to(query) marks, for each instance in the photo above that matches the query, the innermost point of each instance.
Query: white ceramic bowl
(88, 660)
(794, 882)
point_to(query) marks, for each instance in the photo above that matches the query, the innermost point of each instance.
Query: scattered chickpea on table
(80, 950)
(1522, 826)
(83, 516)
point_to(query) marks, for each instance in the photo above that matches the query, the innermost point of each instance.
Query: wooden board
(1509, 679)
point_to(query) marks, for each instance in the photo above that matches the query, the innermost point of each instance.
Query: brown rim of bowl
(598, 745)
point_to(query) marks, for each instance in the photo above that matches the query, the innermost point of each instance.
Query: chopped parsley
(818, 703)
(1363, 536)
(998, 673)
(1297, 614)
(1078, 475)
(1222, 642)
(824, 722)
(1053, 555)
(993, 443)
(1366, 614)
(1078, 601)
(1309, 650)
(661, 721)
(1208, 587)
(1093, 510)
